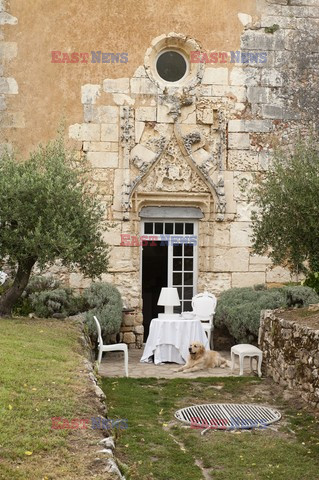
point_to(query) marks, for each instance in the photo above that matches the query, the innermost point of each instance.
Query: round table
(169, 339)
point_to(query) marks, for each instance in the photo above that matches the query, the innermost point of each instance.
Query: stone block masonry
(197, 143)
(290, 354)
(9, 118)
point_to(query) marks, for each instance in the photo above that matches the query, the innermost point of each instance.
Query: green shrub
(239, 308)
(100, 299)
(39, 283)
(60, 301)
(300, 296)
(103, 300)
(312, 281)
(23, 307)
(272, 29)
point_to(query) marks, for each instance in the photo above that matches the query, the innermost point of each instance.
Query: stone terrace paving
(112, 365)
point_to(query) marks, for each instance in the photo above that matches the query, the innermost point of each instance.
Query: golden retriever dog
(201, 359)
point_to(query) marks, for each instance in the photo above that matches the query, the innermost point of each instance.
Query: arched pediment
(171, 167)
(172, 172)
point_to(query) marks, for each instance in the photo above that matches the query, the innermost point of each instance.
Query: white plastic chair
(3, 277)
(204, 305)
(110, 348)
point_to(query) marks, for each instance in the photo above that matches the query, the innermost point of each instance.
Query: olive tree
(286, 222)
(47, 213)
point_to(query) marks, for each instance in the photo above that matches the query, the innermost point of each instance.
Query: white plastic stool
(246, 350)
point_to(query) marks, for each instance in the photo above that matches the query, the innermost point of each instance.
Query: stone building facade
(170, 155)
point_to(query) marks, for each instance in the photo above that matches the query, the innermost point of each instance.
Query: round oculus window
(171, 66)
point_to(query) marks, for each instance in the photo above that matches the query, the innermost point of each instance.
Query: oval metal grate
(228, 416)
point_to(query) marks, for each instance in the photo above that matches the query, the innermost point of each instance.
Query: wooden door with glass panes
(180, 237)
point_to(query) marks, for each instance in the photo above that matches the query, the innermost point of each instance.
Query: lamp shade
(169, 297)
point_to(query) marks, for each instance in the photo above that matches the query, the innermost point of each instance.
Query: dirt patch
(302, 316)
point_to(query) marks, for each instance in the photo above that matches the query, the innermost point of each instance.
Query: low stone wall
(132, 330)
(290, 354)
(106, 445)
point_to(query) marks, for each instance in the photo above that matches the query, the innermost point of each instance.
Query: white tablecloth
(169, 339)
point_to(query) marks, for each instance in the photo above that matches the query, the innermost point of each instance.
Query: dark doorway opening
(154, 277)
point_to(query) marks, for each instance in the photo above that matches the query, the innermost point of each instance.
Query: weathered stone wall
(290, 354)
(214, 132)
(49, 93)
(10, 117)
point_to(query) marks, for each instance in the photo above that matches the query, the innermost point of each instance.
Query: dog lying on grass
(201, 359)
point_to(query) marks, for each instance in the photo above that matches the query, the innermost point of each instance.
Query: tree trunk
(10, 297)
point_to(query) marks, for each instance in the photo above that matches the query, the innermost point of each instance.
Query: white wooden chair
(110, 348)
(204, 305)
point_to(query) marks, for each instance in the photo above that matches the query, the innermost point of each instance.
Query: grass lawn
(155, 446)
(42, 376)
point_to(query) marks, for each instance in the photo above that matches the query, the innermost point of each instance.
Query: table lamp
(169, 299)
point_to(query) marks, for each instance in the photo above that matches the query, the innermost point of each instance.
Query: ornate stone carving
(127, 126)
(172, 173)
(175, 102)
(157, 144)
(143, 167)
(127, 142)
(174, 167)
(173, 41)
(190, 140)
